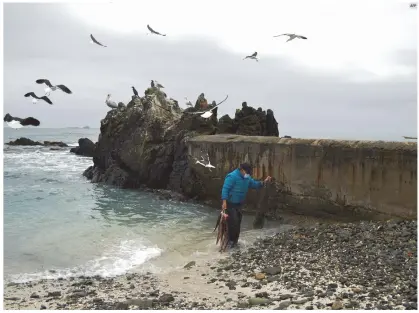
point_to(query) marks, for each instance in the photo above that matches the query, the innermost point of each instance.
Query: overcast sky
(355, 77)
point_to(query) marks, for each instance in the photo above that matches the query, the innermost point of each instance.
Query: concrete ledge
(316, 176)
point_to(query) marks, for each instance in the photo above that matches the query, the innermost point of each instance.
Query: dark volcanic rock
(86, 148)
(144, 144)
(28, 142)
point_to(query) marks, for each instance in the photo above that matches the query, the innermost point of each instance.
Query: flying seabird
(51, 87)
(135, 91)
(35, 97)
(253, 57)
(153, 31)
(207, 114)
(95, 41)
(16, 122)
(292, 36)
(205, 163)
(408, 137)
(110, 103)
(188, 103)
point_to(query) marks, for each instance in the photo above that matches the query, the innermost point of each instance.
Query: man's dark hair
(246, 167)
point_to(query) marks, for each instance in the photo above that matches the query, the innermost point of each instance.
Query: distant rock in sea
(86, 127)
(22, 141)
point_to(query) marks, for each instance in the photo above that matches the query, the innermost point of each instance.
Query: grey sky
(47, 41)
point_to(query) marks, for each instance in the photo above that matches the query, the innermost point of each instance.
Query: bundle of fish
(222, 234)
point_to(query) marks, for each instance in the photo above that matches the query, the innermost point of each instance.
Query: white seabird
(207, 114)
(110, 103)
(50, 87)
(205, 163)
(292, 36)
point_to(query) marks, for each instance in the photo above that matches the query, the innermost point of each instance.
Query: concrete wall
(316, 175)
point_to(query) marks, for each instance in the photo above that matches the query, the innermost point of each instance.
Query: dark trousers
(234, 221)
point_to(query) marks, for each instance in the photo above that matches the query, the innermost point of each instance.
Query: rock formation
(86, 148)
(22, 141)
(144, 143)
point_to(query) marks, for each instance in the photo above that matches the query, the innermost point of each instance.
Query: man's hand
(224, 205)
(269, 178)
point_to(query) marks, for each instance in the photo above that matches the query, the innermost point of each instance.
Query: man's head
(246, 169)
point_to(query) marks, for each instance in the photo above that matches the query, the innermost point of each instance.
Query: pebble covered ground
(364, 265)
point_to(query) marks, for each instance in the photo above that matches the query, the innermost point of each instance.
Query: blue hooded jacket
(236, 186)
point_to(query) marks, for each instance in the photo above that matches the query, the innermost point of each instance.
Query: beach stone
(300, 301)
(121, 306)
(263, 294)
(34, 296)
(242, 305)
(43, 307)
(12, 298)
(272, 270)
(285, 296)
(143, 304)
(258, 301)
(54, 294)
(166, 298)
(189, 265)
(283, 305)
(337, 305)
(260, 276)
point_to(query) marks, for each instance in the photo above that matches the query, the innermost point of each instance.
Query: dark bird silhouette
(152, 84)
(35, 97)
(95, 41)
(253, 57)
(17, 122)
(153, 31)
(135, 91)
(50, 87)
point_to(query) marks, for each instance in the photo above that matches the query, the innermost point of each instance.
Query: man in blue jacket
(233, 194)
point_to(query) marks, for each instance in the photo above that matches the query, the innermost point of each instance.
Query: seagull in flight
(50, 87)
(95, 41)
(153, 31)
(408, 137)
(253, 57)
(208, 114)
(110, 103)
(205, 162)
(17, 122)
(35, 97)
(292, 36)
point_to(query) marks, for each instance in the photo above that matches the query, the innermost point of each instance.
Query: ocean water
(58, 224)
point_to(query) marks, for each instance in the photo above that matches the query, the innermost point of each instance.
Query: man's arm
(228, 185)
(255, 184)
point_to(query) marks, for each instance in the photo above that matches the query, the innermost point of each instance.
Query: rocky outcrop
(28, 142)
(144, 143)
(250, 122)
(86, 148)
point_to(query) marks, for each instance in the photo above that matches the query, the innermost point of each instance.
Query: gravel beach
(364, 265)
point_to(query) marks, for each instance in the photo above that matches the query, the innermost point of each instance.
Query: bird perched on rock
(95, 41)
(292, 36)
(35, 97)
(135, 91)
(152, 84)
(158, 85)
(110, 103)
(253, 57)
(17, 122)
(153, 31)
(50, 87)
